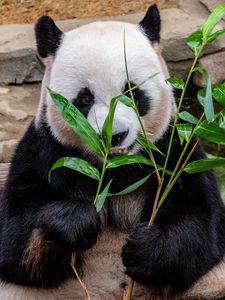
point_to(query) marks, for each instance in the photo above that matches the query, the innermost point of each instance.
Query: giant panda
(42, 222)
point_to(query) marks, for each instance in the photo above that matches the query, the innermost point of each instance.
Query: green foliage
(132, 187)
(108, 125)
(186, 116)
(176, 83)
(219, 94)
(214, 18)
(207, 96)
(77, 122)
(102, 197)
(205, 165)
(211, 132)
(76, 164)
(194, 42)
(184, 131)
(122, 160)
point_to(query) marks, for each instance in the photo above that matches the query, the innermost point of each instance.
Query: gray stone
(177, 25)
(20, 66)
(211, 4)
(215, 64)
(179, 69)
(19, 63)
(18, 105)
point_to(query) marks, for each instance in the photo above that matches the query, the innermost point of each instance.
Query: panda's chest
(124, 212)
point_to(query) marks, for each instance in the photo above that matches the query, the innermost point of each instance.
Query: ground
(27, 11)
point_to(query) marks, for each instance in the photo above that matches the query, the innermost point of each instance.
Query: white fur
(93, 56)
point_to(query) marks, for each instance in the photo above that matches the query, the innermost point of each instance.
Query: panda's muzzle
(118, 138)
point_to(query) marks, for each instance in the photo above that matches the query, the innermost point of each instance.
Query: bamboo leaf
(147, 144)
(215, 35)
(108, 124)
(219, 94)
(176, 83)
(77, 122)
(186, 116)
(201, 96)
(76, 164)
(102, 197)
(206, 164)
(125, 100)
(207, 97)
(132, 187)
(211, 132)
(118, 161)
(184, 131)
(222, 120)
(214, 18)
(195, 41)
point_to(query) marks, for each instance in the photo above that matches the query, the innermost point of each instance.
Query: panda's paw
(72, 223)
(146, 258)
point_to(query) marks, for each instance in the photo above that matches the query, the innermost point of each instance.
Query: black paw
(151, 258)
(74, 224)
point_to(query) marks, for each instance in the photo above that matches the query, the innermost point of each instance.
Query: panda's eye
(87, 100)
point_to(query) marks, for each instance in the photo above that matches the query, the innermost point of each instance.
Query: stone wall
(20, 65)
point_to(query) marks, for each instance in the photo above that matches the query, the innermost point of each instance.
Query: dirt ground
(27, 11)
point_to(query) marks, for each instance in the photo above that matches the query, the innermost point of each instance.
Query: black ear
(48, 36)
(151, 24)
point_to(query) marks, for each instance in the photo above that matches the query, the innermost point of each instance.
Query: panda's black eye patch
(84, 101)
(141, 100)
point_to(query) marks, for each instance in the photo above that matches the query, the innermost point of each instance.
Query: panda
(42, 222)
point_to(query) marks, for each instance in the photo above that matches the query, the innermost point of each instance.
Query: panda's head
(87, 66)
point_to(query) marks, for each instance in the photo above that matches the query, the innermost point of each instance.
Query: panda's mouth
(121, 150)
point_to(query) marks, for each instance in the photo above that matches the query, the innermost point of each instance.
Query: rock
(194, 7)
(179, 68)
(20, 66)
(211, 4)
(17, 108)
(215, 64)
(19, 63)
(7, 149)
(4, 90)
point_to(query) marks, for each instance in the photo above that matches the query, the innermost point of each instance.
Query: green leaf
(184, 131)
(125, 100)
(215, 35)
(211, 132)
(102, 197)
(205, 165)
(195, 41)
(147, 144)
(222, 120)
(176, 83)
(76, 164)
(186, 116)
(214, 18)
(201, 96)
(132, 187)
(118, 161)
(219, 94)
(108, 124)
(77, 122)
(207, 97)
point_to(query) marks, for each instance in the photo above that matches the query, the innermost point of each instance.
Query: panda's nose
(119, 137)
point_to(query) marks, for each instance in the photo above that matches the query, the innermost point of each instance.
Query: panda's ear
(151, 24)
(48, 36)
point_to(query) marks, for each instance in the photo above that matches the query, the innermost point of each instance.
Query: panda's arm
(185, 241)
(51, 206)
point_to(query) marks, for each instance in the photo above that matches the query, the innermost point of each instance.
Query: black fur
(151, 24)
(187, 240)
(84, 101)
(141, 100)
(48, 36)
